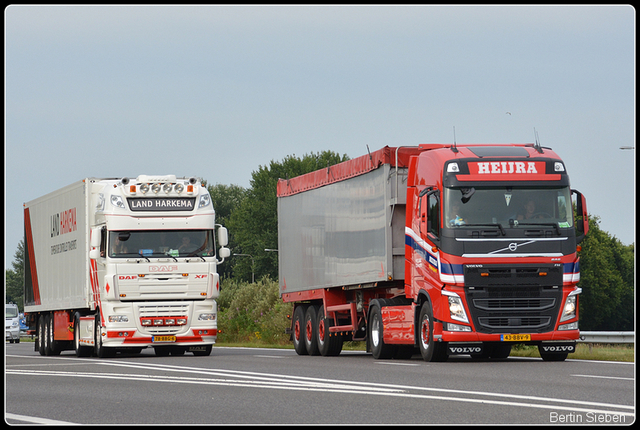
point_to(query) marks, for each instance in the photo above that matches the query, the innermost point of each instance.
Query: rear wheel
(329, 344)
(379, 349)
(51, 346)
(310, 328)
(298, 330)
(41, 334)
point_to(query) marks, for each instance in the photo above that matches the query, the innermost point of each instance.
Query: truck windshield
(508, 207)
(160, 243)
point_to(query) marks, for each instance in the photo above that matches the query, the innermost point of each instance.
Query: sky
(218, 91)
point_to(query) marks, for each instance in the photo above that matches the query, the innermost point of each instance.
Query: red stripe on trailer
(32, 256)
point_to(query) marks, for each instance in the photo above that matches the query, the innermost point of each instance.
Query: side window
(103, 242)
(433, 216)
(429, 210)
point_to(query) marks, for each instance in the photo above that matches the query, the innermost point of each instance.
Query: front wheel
(429, 348)
(81, 350)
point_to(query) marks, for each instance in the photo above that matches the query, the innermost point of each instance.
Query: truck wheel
(429, 348)
(81, 350)
(41, 334)
(329, 344)
(310, 328)
(51, 346)
(379, 349)
(298, 330)
(100, 350)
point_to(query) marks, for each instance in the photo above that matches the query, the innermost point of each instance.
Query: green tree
(255, 222)
(607, 282)
(14, 284)
(226, 199)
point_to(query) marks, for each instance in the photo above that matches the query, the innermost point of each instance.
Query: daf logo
(513, 247)
(163, 268)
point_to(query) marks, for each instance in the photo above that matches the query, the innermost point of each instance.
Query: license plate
(515, 337)
(163, 339)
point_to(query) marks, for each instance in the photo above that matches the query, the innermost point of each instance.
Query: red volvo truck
(450, 249)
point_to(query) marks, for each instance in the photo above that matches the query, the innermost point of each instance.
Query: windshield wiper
(485, 225)
(544, 224)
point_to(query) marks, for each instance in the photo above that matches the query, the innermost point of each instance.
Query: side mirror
(581, 211)
(96, 237)
(224, 252)
(223, 237)
(94, 254)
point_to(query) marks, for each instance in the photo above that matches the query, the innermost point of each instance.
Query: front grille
(508, 299)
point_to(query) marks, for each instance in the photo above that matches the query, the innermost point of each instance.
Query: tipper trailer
(450, 249)
(121, 265)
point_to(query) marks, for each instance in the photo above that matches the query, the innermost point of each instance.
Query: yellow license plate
(163, 339)
(515, 337)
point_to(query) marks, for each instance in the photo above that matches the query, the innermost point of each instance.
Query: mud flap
(558, 347)
(465, 348)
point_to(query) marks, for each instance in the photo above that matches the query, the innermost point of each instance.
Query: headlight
(456, 308)
(207, 317)
(156, 187)
(117, 202)
(570, 305)
(205, 199)
(144, 188)
(118, 318)
(179, 188)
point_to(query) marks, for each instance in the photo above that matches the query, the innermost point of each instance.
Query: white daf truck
(123, 264)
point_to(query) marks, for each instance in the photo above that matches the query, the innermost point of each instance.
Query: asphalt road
(269, 386)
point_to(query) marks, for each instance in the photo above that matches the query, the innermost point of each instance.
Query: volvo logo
(513, 247)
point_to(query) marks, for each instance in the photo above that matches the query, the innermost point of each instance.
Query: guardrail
(607, 337)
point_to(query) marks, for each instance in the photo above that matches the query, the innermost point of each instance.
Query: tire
(310, 328)
(298, 330)
(379, 349)
(52, 347)
(81, 350)
(329, 344)
(100, 350)
(429, 348)
(41, 334)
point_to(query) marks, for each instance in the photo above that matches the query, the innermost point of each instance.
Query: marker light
(558, 166)
(205, 199)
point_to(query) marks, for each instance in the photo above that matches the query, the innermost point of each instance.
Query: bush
(252, 313)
